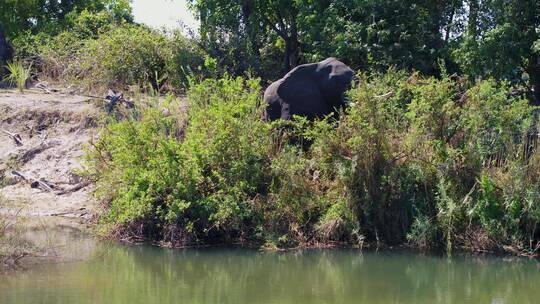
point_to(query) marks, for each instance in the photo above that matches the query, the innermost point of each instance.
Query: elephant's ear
(300, 81)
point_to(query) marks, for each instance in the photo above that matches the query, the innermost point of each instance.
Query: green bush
(185, 63)
(64, 41)
(97, 51)
(28, 45)
(135, 55)
(201, 188)
(90, 25)
(125, 55)
(482, 134)
(432, 162)
(59, 57)
(423, 232)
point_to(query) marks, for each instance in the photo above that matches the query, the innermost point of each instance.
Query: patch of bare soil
(42, 139)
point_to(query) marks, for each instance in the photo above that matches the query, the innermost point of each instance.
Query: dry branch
(75, 188)
(386, 95)
(15, 136)
(43, 87)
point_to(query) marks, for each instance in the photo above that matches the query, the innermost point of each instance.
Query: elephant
(311, 90)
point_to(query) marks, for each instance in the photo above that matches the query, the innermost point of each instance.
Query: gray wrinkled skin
(312, 90)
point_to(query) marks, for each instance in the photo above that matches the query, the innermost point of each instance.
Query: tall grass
(18, 74)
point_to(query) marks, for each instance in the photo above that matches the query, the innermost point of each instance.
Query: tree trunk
(294, 57)
(290, 35)
(287, 63)
(6, 52)
(534, 78)
(449, 24)
(251, 25)
(292, 50)
(284, 24)
(472, 25)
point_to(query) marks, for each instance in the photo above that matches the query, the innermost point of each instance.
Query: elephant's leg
(311, 106)
(272, 111)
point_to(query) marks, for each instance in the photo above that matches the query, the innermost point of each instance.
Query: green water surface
(143, 274)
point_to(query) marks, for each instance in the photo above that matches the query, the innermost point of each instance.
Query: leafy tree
(222, 35)
(500, 41)
(18, 16)
(365, 33)
(248, 25)
(380, 34)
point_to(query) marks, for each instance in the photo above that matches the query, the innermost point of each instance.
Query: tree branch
(275, 28)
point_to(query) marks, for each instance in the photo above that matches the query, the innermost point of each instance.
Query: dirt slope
(53, 129)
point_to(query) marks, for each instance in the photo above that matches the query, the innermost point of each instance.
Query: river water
(143, 274)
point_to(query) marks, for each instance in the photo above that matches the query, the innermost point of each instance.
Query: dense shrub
(97, 52)
(431, 162)
(67, 39)
(125, 55)
(89, 25)
(27, 45)
(58, 57)
(186, 62)
(203, 187)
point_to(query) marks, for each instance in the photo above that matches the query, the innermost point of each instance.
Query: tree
(477, 38)
(281, 17)
(499, 41)
(222, 34)
(364, 33)
(19, 16)
(369, 34)
(250, 24)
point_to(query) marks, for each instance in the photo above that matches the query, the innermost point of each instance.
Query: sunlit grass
(18, 74)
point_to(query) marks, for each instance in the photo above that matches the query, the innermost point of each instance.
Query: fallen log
(34, 183)
(42, 184)
(113, 98)
(75, 188)
(44, 87)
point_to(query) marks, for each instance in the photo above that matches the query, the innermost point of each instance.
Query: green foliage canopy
(18, 16)
(478, 38)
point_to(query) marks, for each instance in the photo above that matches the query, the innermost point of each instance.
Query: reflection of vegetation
(444, 162)
(13, 246)
(25, 242)
(151, 275)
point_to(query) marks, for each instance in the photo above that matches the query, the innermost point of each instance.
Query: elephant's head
(336, 78)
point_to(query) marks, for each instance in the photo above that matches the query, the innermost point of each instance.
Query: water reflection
(121, 274)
